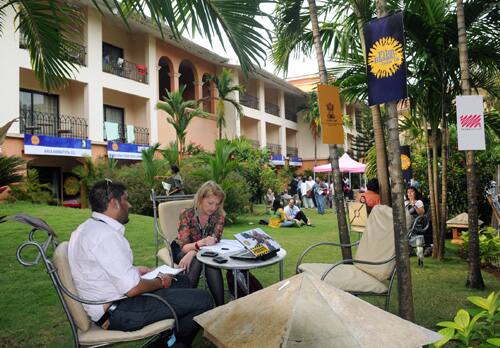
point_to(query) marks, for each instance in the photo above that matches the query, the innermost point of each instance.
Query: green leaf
(449, 324)
(479, 301)
(447, 335)
(494, 341)
(462, 319)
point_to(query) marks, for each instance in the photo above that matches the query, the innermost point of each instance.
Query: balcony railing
(43, 123)
(291, 115)
(124, 68)
(292, 151)
(272, 109)
(249, 101)
(274, 148)
(76, 51)
(140, 135)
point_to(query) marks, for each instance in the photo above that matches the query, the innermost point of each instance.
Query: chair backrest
(168, 215)
(76, 311)
(377, 243)
(358, 216)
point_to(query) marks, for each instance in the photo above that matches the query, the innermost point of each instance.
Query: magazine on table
(258, 242)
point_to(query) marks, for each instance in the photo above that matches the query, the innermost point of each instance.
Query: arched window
(207, 103)
(163, 77)
(186, 70)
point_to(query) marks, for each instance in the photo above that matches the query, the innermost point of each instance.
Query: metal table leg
(235, 284)
(281, 270)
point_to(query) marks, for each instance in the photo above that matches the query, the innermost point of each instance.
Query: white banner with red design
(470, 122)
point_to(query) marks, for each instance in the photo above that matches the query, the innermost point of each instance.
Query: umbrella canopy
(306, 312)
(346, 164)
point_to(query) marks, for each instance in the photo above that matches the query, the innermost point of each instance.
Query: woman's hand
(185, 262)
(209, 240)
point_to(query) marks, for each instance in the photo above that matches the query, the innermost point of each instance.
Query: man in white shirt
(293, 213)
(101, 264)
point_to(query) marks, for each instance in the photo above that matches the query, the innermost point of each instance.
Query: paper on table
(162, 269)
(224, 247)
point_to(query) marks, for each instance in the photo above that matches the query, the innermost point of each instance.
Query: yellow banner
(331, 115)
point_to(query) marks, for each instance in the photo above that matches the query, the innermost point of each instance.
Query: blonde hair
(210, 188)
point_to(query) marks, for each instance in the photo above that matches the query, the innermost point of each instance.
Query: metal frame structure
(61, 290)
(386, 294)
(156, 200)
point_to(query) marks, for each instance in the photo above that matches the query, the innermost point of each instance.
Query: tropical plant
(224, 83)
(489, 246)
(49, 25)
(222, 163)
(180, 112)
(171, 153)
(473, 328)
(31, 190)
(10, 169)
(152, 166)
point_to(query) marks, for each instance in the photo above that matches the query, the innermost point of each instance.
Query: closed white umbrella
(303, 311)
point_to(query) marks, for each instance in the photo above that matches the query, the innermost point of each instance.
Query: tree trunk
(337, 178)
(435, 190)
(405, 298)
(382, 172)
(444, 188)
(430, 177)
(474, 278)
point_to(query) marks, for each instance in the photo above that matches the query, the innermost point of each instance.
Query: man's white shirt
(101, 262)
(291, 212)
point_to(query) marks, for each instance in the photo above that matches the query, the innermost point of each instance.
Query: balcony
(291, 115)
(274, 148)
(43, 123)
(272, 109)
(76, 52)
(249, 101)
(129, 134)
(124, 68)
(292, 151)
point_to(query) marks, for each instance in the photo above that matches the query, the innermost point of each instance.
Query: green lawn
(30, 315)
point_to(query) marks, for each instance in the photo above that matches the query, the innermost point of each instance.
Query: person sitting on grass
(279, 219)
(293, 213)
(101, 264)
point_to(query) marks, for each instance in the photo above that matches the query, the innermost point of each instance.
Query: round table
(240, 265)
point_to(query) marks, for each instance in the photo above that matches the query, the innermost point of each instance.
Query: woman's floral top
(190, 231)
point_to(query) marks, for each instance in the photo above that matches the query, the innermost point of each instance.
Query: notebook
(258, 245)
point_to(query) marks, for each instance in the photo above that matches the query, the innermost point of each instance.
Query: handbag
(241, 276)
(309, 193)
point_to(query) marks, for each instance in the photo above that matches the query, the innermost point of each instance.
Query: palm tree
(311, 116)
(48, 25)
(151, 165)
(224, 83)
(221, 164)
(474, 278)
(180, 113)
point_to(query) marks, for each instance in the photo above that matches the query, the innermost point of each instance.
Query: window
(114, 120)
(111, 53)
(39, 112)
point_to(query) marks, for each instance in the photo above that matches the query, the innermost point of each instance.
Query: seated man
(101, 264)
(293, 213)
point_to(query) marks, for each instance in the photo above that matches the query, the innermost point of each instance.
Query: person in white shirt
(293, 213)
(101, 264)
(310, 192)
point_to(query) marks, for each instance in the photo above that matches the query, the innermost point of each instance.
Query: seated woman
(199, 226)
(279, 220)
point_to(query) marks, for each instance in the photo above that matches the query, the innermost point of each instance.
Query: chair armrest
(314, 246)
(351, 261)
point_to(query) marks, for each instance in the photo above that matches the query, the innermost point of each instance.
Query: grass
(31, 316)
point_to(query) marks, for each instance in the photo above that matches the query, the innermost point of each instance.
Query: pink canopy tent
(346, 164)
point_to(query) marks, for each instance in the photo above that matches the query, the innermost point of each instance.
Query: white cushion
(96, 335)
(346, 277)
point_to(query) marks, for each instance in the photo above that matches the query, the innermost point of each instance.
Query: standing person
(293, 213)
(303, 193)
(371, 196)
(269, 198)
(178, 186)
(199, 226)
(298, 199)
(414, 204)
(319, 195)
(309, 192)
(101, 264)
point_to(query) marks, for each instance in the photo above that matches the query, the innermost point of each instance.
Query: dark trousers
(301, 216)
(136, 312)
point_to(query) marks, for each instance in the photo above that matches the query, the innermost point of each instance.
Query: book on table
(258, 244)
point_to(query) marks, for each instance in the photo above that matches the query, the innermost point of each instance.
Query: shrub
(473, 328)
(32, 191)
(10, 169)
(237, 196)
(489, 246)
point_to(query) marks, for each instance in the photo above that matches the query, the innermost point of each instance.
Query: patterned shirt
(190, 230)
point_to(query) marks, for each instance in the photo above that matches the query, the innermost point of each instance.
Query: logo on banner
(330, 107)
(470, 121)
(405, 162)
(385, 57)
(35, 140)
(114, 147)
